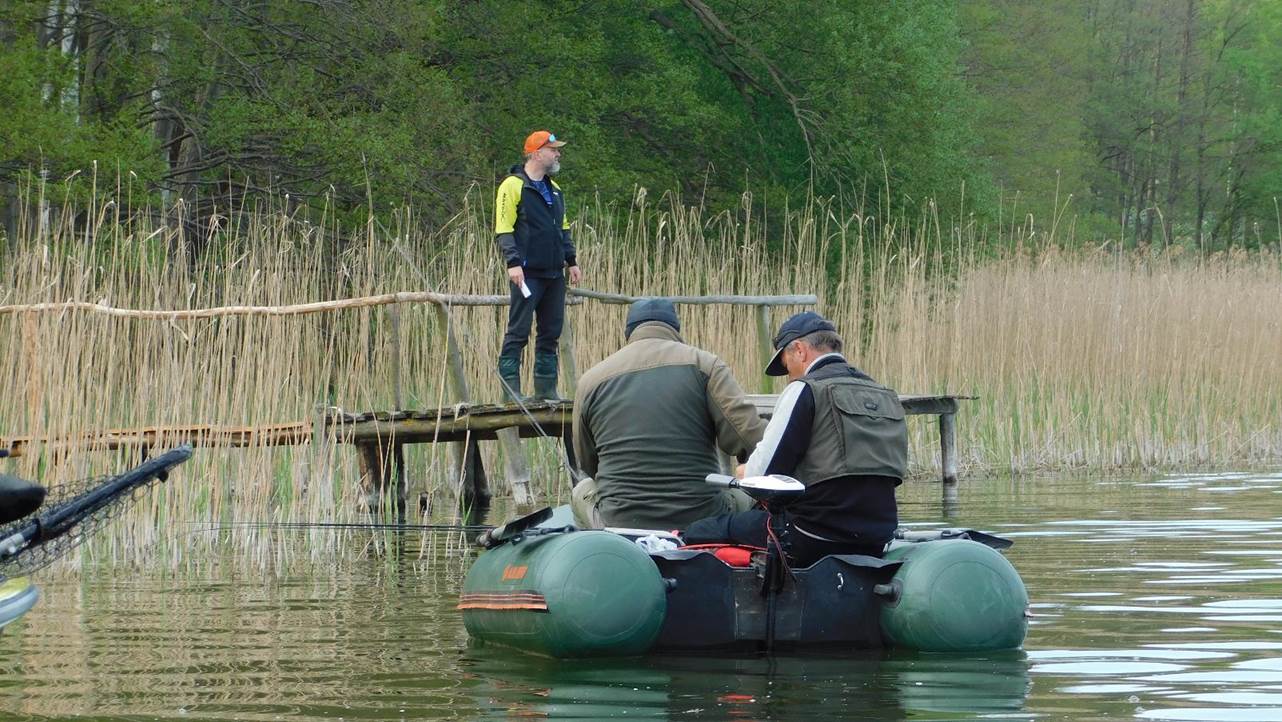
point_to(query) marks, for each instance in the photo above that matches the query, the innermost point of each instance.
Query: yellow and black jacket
(529, 232)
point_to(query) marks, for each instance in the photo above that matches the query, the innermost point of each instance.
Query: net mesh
(45, 551)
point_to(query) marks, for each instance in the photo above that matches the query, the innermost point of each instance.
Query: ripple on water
(1110, 688)
(1236, 698)
(1227, 645)
(1214, 714)
(1044, 655)
(1101, 668)
(1223, 676)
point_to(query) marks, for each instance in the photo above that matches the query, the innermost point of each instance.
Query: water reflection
(881, 685)
(1105, 642)
(1153, 599)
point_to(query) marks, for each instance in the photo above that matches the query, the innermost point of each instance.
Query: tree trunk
(1150, 164)
(9, 209)
(1176, 140)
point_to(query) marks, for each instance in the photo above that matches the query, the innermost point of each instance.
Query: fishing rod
(343, 526)
(487, 536)
(575, 475)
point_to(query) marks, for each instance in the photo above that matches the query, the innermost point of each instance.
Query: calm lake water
(1154, 599)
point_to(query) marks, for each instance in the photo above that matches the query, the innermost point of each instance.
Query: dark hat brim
(776, 367)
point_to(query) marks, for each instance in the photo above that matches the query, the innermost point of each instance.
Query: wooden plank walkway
(451, 423)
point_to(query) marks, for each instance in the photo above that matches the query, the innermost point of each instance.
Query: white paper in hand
(525, 290)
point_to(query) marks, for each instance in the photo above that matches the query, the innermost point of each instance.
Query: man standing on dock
(647, 423)
(838, 432)
(533, 233)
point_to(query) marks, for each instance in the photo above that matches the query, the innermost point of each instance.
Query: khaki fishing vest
(858, 430)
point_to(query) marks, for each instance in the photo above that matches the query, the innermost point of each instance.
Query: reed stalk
(1081, 359)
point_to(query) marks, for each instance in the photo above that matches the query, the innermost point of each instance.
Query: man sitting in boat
(647, 421)
(839, 433)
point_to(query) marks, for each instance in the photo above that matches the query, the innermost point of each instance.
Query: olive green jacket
(647, 421)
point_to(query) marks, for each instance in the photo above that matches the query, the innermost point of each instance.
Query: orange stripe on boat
(504, 601)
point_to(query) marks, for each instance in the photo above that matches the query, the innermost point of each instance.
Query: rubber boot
(510, 373)
(545, 372)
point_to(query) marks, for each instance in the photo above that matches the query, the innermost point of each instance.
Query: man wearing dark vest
(838, 432)
(647, 424)
(533, 233)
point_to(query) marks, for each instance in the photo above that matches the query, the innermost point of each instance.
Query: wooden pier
(380, 438)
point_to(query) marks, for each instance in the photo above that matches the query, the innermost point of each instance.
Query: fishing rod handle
(486, 539)
(12, 545)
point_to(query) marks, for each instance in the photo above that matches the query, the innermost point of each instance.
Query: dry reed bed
(1086, 360)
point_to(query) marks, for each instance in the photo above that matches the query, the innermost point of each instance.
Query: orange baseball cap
(540, 138)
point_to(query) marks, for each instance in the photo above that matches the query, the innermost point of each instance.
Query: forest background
(1069, 210)
(1142, 121)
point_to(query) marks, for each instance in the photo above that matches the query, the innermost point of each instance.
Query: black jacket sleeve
(507, 246)
(567, 248)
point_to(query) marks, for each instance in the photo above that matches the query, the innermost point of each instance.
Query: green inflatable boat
(545, 587)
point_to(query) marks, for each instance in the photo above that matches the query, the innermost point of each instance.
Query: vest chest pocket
(868, 402)
(870, 425)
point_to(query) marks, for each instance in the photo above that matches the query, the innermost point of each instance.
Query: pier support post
(567, 440)
(948, 448)
(514, 466)
(382, 464)
(475, 494)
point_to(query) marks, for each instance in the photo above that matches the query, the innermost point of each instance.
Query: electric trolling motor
(775, 492)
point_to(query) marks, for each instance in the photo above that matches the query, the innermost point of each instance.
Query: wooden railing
(443, 302)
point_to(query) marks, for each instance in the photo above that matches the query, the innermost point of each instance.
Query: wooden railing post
(394, 325)
(765, 383)
(453, 356)
(569, 371)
